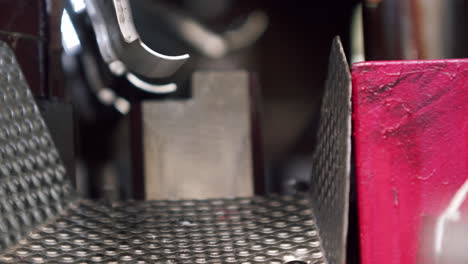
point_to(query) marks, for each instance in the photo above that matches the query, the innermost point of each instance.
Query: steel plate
(331, 161)
(275, 229)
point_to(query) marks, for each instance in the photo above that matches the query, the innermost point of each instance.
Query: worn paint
(410, 130)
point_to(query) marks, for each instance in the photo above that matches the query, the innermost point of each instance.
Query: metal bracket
(332, 158)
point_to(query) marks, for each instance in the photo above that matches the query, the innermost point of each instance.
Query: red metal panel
(411, 138)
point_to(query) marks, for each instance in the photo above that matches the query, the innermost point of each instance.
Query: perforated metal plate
(33, 186)
(42, 222)
(255, 230)
(331, 162)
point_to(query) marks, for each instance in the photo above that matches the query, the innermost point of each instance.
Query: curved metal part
(209, 43)
(142, 60)
(119, 40)
(104, 94)
(100, 29)
(247, 33)
(125, 20)
(188, 29)
(204, 40)
(148, 87)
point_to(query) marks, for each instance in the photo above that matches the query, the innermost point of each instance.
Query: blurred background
(283, 46)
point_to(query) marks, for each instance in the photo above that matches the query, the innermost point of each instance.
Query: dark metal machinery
(43, 221)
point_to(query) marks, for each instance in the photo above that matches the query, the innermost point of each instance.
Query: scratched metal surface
(410, 129)
(42, 222)
(331, 161)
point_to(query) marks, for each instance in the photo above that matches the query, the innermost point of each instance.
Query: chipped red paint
(411, 145)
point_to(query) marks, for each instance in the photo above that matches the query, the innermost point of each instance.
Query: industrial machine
(214, 131)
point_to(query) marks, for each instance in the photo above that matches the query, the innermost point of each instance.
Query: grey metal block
(200, 148)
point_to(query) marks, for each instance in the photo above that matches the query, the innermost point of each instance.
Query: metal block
(202, 147)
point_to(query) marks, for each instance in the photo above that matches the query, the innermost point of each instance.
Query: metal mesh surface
(331, 162)
(33, 186)
(41, 222)
(274, 229)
